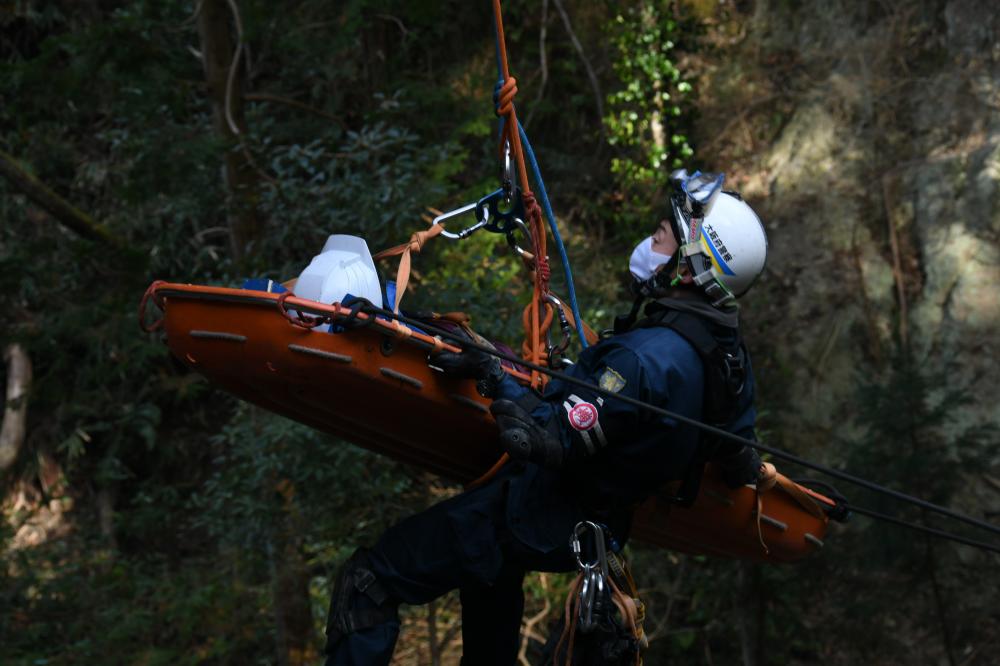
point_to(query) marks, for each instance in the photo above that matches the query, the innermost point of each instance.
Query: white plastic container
(344, 267)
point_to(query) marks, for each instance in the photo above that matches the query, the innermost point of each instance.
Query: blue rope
(542, 195)
(544, 198)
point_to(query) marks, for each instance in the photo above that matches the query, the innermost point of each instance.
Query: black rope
(922, 528)
(777, 453)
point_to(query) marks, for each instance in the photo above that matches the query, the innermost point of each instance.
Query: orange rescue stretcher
(253, 344)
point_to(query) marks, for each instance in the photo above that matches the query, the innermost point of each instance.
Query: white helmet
(344, 267)
(718, 234)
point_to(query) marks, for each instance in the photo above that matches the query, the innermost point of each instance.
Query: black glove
(472, 364)
(740, 468)
(523, 438)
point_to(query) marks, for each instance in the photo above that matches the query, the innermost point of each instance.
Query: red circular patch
(583, 416)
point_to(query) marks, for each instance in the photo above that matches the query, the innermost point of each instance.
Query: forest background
(149, 518)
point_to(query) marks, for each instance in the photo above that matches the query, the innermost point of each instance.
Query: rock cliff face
(868, 135)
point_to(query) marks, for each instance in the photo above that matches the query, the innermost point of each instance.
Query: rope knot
(534, 212)
(417, 240)
(544, 272)
(505, 96)
(530, 203)
(768, 477)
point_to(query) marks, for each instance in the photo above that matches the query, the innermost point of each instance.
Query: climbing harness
(726, 367)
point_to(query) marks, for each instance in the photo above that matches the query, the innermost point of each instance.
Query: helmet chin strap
(690, 207)
(700, 266)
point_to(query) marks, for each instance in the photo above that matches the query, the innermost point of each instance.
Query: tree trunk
(745, 609)
(105, 501)
(432, 634)
(290, 584)
(218, 53)
(63, 211)
(650, 16)
(15, 415)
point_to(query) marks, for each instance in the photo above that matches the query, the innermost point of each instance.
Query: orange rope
(535, 331)
(490, 473)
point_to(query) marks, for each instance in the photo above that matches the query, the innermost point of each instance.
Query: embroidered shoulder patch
(611, 381)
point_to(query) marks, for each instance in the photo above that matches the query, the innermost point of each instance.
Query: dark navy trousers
(462, 543)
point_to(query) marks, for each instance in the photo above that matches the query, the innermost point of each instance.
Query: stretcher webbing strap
(568, 636)
(415, 244)
(768, 479)
(588, 332)
(799, 494)
(629, 611)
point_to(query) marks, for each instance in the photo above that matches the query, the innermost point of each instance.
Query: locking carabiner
(507, 179)
(465, 233)
(594, 573)
(521, 252)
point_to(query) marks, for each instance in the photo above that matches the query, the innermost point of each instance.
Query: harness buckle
(735, 370)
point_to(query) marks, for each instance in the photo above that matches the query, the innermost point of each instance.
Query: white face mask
(645, 260)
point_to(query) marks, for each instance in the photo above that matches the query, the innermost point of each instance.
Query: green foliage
(647, 114)
(385, 110)
(72, 603)
(922, 446)
(210, 497)
(266, 467)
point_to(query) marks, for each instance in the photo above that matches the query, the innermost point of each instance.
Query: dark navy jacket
(618, 454)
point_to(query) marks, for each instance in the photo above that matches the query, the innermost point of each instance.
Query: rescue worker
(578, 455)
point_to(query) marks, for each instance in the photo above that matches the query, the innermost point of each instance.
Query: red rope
(298, 319)
(158, 300)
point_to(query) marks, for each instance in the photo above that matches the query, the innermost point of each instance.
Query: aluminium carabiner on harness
(593, 591)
